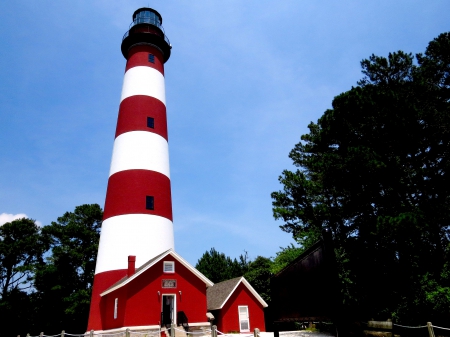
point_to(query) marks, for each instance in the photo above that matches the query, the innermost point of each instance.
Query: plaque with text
(169, 283)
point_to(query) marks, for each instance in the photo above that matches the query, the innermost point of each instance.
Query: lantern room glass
(147, 17)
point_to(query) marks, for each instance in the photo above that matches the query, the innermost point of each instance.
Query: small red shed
(236, 306)
(165, 289)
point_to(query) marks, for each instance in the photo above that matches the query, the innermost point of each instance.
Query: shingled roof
(219, 293)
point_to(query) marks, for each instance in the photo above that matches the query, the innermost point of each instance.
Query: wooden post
(91, 333)
(62, 333)
(41, 334)
(28, 335)
(172, 330)
(276, 330)
(256, 332)
(430, 329)
(214, 331)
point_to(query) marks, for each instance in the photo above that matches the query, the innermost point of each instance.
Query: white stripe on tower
(140, 150)
(137, 216)
(122, 228)
(143, 80)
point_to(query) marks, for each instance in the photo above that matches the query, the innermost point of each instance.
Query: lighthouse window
(151, 58)
(150, 202)
(150, 122)
(116, 301)
(169, 267)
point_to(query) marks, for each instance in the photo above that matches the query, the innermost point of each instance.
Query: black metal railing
(147, 29)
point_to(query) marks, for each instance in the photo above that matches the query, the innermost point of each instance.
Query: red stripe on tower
(138, 207)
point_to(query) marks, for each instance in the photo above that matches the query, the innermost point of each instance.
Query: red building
(166, 289)
(236, 306)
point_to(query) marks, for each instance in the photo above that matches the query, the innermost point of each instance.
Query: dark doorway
(168, 306)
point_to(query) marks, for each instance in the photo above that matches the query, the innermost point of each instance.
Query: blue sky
(244, 80)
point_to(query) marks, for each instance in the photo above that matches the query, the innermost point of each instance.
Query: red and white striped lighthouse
(138, 208)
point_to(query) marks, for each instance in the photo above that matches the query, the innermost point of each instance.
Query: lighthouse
(137, 219)
(141, 284)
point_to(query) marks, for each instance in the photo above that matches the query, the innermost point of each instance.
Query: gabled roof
(219, 294)
(151, 263)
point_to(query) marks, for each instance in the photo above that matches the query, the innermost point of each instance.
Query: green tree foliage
(21, 249)
(375, 169)
(259, 274)
(64, 283)
(218, 267)
(284, 257)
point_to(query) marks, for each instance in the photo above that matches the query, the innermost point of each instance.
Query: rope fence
(427, 330)
(410, 327)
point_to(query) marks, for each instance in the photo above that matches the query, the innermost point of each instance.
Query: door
(244, 320)
(168, 309)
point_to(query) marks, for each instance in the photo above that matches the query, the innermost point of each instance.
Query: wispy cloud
(7, 217)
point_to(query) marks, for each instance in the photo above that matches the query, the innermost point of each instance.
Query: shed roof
(219, 294)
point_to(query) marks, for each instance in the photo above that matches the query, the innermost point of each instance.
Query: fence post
(41, 334)
(256, 332)
(276, 330)
(172, 330)
(214, 331)
(28, 335)
(62, 333)
(430, 329)
(91, 333)
(127, 332)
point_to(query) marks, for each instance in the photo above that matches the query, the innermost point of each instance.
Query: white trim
(145, 81)
(116, 303)
(140, 150)
(174, 313)
(249, 287)
(177, 257)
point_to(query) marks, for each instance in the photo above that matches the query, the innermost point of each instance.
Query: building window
(169, 267)
(150, 122)
(116, 301)
(151, 58)
(150, 202)
(244, 322)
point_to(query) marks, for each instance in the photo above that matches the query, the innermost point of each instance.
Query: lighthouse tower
(137, 218)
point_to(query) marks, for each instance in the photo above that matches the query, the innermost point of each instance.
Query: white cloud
(7, 217)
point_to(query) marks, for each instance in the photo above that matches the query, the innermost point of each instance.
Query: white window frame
(172, 263)
(239, 317)
(116, 303)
